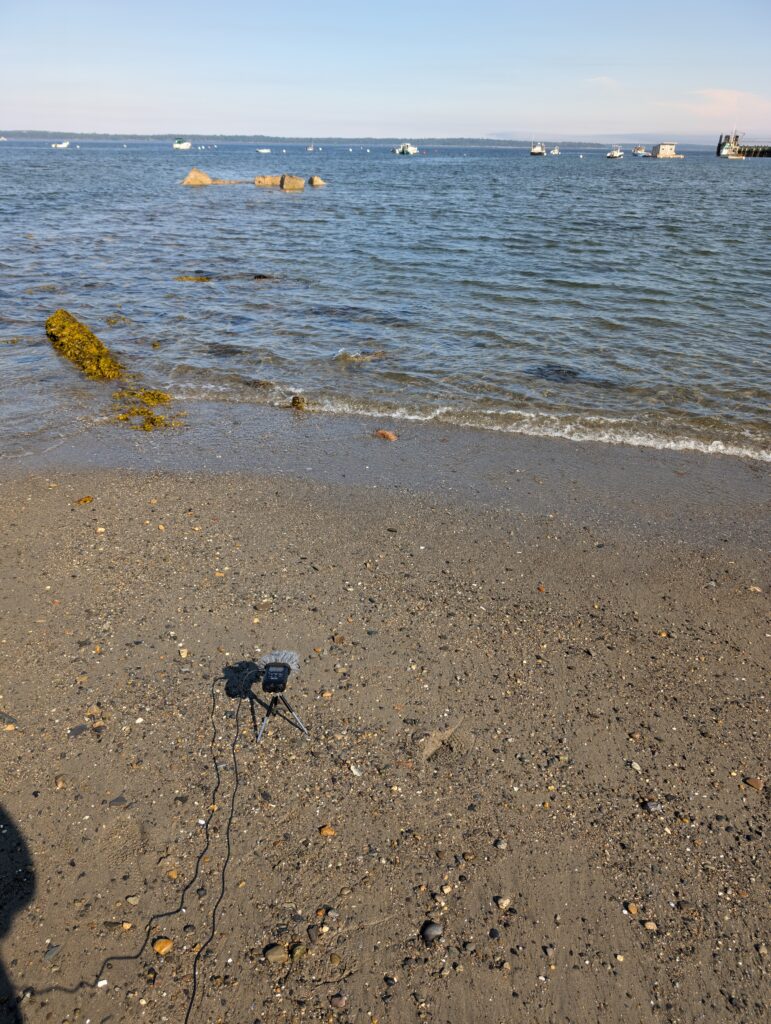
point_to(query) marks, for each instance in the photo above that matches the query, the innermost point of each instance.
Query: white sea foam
(593, 428)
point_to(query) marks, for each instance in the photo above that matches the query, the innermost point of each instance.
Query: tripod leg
(271, 710)
(294, 715)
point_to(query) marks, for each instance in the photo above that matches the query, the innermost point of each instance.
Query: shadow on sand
(17, 887)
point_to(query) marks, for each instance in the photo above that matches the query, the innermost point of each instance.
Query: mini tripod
(273, 709)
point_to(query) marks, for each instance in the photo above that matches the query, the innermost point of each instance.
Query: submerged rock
(80, 345)
(316, 182)
(291, 183)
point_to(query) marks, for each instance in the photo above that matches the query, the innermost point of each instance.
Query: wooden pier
(729, 146)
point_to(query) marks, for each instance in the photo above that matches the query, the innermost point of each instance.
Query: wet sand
(533, 675)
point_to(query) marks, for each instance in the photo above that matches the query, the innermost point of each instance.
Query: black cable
(183, 895)
(213, 929)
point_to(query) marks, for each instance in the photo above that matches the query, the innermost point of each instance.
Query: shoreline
(532, 673)
(657, 488)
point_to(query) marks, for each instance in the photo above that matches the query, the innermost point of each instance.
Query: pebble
(339, 1001)
(650, 926)
(431, 931)
(754, 783)
(327, 830)
(502, 902)
(501, 844)
(632, 909)
(652, 806)
(276, 954)
(297, 951)
(132, 900)
(163, 946)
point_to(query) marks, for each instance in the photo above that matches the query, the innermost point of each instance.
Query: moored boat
(60, 145)
(537, 149)
(181, 144)
(405, 149)
(555, 151)
(616, 153)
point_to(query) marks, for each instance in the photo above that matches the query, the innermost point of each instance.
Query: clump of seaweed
(145, 396)
(80, 345)
(299, 402)
(115, 319)
(136, 407)
(193, 277)
(9, 341)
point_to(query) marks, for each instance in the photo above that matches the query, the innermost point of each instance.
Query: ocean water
(622, 301)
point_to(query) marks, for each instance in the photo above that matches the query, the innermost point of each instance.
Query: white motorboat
(262, 149)
(555, 151)
(615, 154)
(60, 145)
(405, 149)
(310, 149)
(537, 149)
(3, 138)
(181, 144)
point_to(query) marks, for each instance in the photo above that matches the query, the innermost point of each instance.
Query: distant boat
(537, 149)
(181, 144)
(405, 149)
(3, 138)
(263, 150)
(555, 151)
(639, 151)
(60, 145)
(616, 153)
(310, 149)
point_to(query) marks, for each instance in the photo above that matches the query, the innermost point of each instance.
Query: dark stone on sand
(431, 931)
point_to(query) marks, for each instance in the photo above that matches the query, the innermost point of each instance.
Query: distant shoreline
(700, 142)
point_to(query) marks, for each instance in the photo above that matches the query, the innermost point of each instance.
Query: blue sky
(411, 69)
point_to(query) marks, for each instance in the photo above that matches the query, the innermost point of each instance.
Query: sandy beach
(533, 677)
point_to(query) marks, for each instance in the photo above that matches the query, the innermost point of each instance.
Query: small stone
(297, 950)
(431, 931)
(502, 902)
(652, 806)
(386, 435)
(620, 957)
(754, 783)
(446, 889)
(650, 926)
(183, 652)
(633, 909)
(276, 954)
(762, 949)
(339, 1001)
(327, 830)
(635, 766)
(390, 980)
(163, 946)
(59, 782)
(501, 844)
(132, 900)
(334, 960)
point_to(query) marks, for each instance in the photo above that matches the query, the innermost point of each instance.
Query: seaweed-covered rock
(291, 183)
(316, 182)
(196, 177)
(267, 180)
(80, 345)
